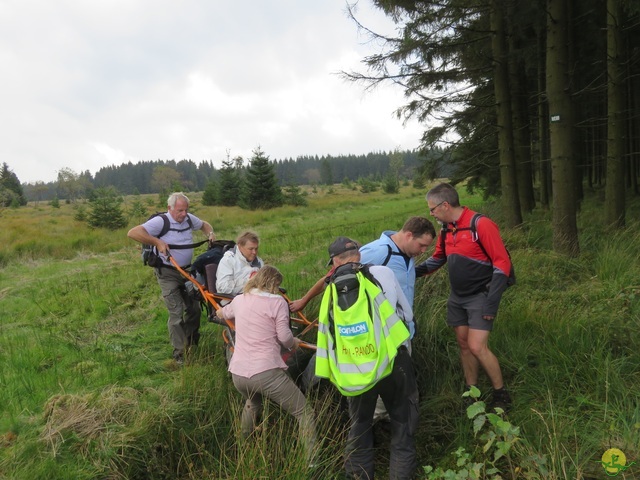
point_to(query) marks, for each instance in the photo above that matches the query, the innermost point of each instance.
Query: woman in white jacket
(238, 265)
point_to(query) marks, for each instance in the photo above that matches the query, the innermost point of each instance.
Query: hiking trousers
(395, 391)
(277, 386)
(184, 310)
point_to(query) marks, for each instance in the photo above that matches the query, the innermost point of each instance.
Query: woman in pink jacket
(258, 371)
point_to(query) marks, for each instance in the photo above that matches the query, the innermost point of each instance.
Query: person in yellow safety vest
(359, 331)
(394, 388)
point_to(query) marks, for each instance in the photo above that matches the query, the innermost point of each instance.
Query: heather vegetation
(88, 389)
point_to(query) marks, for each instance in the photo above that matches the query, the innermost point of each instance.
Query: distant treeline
(151, 176)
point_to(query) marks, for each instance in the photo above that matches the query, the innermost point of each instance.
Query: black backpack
(149, 253)
(214, 254)
(473, 226)
(347, 285)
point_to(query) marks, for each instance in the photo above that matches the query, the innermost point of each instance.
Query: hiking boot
(179, 358)
(501, 399)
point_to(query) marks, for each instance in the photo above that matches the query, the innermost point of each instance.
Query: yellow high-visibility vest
(356, 346)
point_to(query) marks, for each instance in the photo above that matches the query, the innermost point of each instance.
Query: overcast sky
(86, 84)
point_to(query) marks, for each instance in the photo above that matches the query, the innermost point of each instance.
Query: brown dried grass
(88, 417)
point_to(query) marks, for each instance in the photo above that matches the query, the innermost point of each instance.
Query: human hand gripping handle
(297, 305)
(211, 237)
(163, 247)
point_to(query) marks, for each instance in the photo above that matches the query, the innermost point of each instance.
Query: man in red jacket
(479, 268)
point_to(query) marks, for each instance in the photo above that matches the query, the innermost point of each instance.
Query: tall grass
(566, 338)
(88, 388)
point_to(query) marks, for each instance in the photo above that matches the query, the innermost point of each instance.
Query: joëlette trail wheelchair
(202, 278)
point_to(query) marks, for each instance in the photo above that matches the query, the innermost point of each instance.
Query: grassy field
(88, 389)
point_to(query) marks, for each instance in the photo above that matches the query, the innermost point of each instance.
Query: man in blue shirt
(395, 250)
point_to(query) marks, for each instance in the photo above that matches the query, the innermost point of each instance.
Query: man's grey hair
(174, 197)
(444, 192)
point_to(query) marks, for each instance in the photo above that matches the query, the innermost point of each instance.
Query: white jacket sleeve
(224, 275)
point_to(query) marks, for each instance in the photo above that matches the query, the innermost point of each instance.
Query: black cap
(341, 245)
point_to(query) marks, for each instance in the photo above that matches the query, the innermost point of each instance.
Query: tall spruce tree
(616, 123)
(561, 129)
(504, 115)
(261, 185)
(503, 83)
(11, 192)
(230, 184)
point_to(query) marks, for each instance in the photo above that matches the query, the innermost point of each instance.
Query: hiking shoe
(179, 358)
(501, 399)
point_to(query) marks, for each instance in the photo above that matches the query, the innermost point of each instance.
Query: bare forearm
(315, 290)
(139, 234)
(207, 229)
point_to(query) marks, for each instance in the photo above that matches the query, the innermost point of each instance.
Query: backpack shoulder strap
(388, 257)
(473, 226)
(474, 232)
(390, 253)
(443, 234)
(166, 225)
(366, 273)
